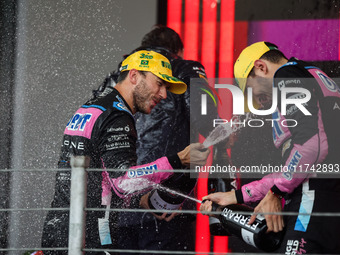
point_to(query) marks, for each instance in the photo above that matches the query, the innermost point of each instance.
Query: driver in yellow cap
(104, 129)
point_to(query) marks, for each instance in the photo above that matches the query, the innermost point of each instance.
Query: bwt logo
(238, 100)
(147, 170)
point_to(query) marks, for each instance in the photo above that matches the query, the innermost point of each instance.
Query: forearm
(144, 176)
(256, 190)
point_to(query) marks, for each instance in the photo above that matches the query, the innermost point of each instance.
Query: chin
(147, 111)
(151, 108)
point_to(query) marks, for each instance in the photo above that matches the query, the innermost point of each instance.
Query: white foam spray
(133, 185)
(130, 186)
(223, 131)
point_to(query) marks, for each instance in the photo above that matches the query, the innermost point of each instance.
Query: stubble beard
(140, 97)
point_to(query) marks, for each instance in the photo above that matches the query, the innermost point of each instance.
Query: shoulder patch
(121, 105)
(82, 122)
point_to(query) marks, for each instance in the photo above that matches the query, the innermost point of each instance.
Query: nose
(162, 92)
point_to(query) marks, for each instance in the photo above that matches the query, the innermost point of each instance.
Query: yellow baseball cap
(245, 62)
(157, 64)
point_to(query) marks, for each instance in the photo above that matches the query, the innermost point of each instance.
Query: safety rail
(320, 214)
(78, 209)
(142, 251)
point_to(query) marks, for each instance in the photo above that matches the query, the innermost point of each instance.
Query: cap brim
(242, 83)
(176, 86)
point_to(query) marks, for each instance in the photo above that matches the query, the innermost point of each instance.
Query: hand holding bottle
(220, 198)
(194, 154)
(236, 220)
(270, 203)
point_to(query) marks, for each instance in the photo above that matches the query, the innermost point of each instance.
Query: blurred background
(55, 52)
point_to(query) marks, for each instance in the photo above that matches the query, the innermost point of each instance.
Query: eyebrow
(163, 82)
(167, 85)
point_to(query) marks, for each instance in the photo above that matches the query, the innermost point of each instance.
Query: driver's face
(262, 90)
(149, 92)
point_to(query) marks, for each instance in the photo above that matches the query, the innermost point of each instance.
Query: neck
(281, 63)
(126, 92)
(276, 66)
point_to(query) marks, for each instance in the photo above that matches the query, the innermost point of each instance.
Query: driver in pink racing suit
(310, 144)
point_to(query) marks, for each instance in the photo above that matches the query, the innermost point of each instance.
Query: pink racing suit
(313, 141)
(135, 180)
(310, 149)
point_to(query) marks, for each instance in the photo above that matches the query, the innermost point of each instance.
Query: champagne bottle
(255, 234)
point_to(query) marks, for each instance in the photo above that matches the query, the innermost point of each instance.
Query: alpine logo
(120, 105)
(248, 192)
(336, 106)
(328, 82)
(142, 171)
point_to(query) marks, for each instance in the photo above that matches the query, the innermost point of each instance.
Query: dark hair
(274, 56)
(162, 36)
(122, 76)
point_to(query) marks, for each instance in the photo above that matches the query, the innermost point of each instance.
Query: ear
(261, 66)
(133, 76)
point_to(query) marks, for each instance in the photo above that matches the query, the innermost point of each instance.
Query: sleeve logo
(78, 121)
(147, 170)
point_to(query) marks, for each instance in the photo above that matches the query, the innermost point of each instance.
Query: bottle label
(159, 204)
(248, 237)
(239, 219)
